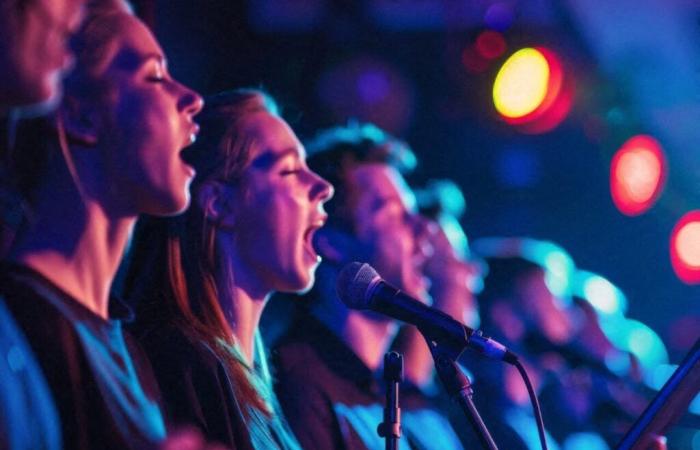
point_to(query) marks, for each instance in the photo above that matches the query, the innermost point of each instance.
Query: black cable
(535, 403)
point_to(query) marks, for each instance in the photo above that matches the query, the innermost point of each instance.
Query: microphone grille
(353, 282)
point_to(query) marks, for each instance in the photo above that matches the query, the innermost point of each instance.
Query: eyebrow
(269, 158)
(132, 60)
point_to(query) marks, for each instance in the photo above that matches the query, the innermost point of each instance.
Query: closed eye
(288, 172)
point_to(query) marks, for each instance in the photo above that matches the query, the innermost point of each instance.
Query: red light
(637, 175)
(490, 44)
(685, 248)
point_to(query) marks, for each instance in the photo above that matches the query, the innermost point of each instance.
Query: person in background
(33, 56)
(34, 51)
(455, 277)
(327, 364)
(110, 153)
(203, 279)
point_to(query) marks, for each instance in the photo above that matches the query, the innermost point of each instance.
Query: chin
(300, 283)
(169, 206)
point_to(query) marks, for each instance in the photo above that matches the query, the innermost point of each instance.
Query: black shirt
(101, 382)
(197, 390)
(332, 400)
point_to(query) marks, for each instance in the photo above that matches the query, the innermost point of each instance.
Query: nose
(423, 230)
(190, 101)
(322, 189)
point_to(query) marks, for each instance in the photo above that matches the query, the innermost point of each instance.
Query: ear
(215, 200)
(80, 121)
(335, 245)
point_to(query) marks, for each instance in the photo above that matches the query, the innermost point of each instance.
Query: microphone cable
(534, 401)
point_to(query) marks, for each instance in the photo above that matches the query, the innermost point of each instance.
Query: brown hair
(176, 262)
(39, 143)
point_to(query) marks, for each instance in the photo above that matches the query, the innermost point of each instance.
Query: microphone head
(353, 282)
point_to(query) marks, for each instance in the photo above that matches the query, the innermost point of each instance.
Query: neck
(368, 337)
(240, 296)
(76, 246)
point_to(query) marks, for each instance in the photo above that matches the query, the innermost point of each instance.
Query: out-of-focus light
(695, 405)
(490, 44)
(499, 16)
(685, 248)
(532, 92)
(637, 175)
(559, 266)
(640, 340)
(618, 362)
(521, 84)
(584, 441)
(661, 374)
(367, 89)
(604, 296)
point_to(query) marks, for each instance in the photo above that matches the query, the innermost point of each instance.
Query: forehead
(131, 43)
(59, 9)
(380, 181)
(271, 134)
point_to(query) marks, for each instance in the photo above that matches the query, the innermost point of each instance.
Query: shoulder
(170, 346)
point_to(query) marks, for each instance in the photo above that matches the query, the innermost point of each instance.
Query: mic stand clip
(458, 386)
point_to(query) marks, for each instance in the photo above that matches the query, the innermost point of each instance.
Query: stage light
(521, 84)
(490, 44)
(637, 175)
(685, 248)
(532, 92)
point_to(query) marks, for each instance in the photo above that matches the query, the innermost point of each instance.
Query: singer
(327, 364)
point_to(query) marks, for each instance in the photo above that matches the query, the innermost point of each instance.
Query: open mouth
(192, 135)
(309, 238)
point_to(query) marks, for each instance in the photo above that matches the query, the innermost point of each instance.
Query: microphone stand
(390, 428)
(458, 386)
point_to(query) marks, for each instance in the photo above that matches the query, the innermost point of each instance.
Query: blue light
(604, 296)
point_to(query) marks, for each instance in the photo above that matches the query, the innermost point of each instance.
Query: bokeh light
(604, 296)
(637, 175)
(521, 83)
(490, 44)
(685, 248)
(532, 92)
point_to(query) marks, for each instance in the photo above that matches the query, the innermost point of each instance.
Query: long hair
(176, 262)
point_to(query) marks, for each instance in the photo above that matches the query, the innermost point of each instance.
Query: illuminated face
(387, 228)
(145, 120)
(453, 279)
(33, 48)
(278, 208)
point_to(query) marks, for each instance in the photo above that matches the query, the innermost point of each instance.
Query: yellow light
(521, 84)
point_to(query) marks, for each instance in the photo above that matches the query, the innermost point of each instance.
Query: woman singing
(110, 153)
(203, 279)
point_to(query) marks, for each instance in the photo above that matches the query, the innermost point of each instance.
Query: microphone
(359, 286)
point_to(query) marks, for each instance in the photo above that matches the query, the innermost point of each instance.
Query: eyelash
(290, 172)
